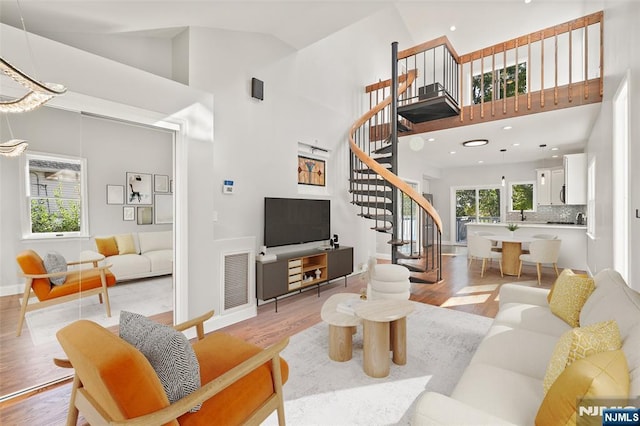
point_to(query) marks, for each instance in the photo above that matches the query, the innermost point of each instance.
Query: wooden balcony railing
(554, 68)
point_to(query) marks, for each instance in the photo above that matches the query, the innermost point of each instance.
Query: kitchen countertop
(532, 224)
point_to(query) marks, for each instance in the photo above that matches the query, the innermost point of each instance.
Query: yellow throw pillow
(563, 274)
(125, 244)
(580, 343)
(603, 375)
(570, 292)
(107, 246)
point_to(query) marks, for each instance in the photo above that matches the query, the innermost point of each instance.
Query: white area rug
(146, 297)
(440, 344)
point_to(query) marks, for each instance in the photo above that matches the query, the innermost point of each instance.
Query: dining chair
(494, 244)
(479, 247)
(525, 246)
(542, 251)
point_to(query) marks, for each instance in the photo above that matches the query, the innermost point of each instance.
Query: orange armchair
(79, 282)
(115, 384)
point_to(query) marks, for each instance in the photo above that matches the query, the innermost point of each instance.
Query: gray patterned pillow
(168, 351)
(55, 262)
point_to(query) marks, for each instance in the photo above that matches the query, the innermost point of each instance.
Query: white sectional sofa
(153, 256)
(503, 384)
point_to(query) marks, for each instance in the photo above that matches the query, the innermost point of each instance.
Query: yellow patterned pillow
(126, 245)
(579, 343)
(564, 274)
(570, 292)
(603, 375)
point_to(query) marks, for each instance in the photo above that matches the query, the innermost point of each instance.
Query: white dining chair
(540, 252)
(479, 247)
(494, 244)
(525, 246)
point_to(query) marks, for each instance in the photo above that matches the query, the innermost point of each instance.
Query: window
(55, 196)
(475, 205)
(521, 196)
(486, 92)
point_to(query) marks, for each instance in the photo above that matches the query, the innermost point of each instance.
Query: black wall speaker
(257, 89)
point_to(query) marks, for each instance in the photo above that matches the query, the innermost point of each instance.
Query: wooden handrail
(382, 171)
(428, 45)
(539, 35)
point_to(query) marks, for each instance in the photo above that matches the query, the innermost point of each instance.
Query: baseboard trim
(10, 290)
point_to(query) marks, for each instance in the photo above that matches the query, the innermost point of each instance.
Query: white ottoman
(388, 281)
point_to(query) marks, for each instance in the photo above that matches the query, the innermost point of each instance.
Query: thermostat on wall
(227, 187)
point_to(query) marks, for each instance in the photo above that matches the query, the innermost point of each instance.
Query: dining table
(511, 251)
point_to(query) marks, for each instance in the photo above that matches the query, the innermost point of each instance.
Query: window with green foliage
(486, 91)
(475, 205)
(522, 196)
(55, 195)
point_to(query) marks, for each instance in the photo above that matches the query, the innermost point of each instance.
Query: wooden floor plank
(295, 313)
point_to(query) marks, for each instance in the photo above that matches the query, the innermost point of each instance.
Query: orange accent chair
(114, 383)
(79, 282)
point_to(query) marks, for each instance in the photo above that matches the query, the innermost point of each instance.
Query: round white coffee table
(385, 326)
(342, 327)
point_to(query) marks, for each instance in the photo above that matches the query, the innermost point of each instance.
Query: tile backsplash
(550, 214)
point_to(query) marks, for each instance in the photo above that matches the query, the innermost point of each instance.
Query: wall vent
(236, 280)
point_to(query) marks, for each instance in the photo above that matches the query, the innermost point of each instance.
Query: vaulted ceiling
(300, 23)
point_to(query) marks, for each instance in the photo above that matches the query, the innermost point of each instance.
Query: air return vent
(236, 280)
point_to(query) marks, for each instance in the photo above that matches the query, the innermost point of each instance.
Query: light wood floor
(462, 289)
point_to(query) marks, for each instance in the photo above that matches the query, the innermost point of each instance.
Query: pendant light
(503, 150)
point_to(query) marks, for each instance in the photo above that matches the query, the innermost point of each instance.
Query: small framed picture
(128, 213)
(160, 183)
(145, 215)
(139, 188)
(164, 208)
(115, 194)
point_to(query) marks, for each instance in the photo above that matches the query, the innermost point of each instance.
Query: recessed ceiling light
(555, 148)
(527, 1)
(416, 143)
(516, 144)
(507, 128)
(431, 139)
(475, 142)
(555, 156)
(480, 161)
(452, 28)
(452, 152)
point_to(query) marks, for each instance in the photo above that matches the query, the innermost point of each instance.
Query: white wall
(312, 95)
(621, 39)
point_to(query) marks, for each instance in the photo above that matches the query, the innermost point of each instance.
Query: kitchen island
(573, 250)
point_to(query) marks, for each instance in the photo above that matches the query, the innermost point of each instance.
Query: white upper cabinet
(550, 183)
(575, 178)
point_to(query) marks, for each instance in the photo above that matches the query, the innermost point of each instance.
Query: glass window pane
(489, 205)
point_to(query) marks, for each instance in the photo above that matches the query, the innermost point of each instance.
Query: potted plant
(512, 227)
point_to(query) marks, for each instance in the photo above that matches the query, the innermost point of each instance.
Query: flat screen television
(295, 221)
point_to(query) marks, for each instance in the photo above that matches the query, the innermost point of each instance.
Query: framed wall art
(311, 171)
(145, 215)
(128, 213)
(115, 194)
(139, 188)
(164, 208)
(160, 183)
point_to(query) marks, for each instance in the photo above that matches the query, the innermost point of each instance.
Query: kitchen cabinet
(549, 191)
(575, 178)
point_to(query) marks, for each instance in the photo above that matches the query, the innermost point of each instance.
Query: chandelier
(38, 93)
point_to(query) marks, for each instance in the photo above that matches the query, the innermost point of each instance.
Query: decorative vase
(318, 273)
(512, 233)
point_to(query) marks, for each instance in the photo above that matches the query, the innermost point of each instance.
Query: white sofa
(503, 384)
(153, 257)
